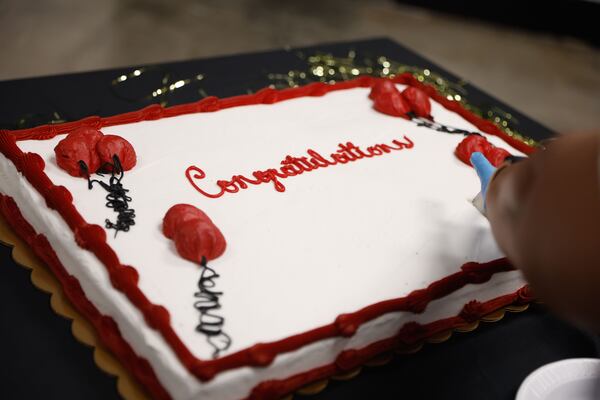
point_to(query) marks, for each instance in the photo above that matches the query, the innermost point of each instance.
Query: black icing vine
(436, 126)
(117, 197)
(210, 324)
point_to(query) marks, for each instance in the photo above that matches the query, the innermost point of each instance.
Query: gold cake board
(127, 386)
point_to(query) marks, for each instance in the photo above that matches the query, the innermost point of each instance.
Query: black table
(41, 359)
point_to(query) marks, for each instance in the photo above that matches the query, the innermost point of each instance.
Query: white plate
(572, 379)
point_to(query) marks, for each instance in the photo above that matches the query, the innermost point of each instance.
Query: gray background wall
(552, 79)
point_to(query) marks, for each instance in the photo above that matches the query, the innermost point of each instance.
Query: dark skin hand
(545, 215)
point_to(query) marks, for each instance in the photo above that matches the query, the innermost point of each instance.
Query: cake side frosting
(335, 195)
(287, 372)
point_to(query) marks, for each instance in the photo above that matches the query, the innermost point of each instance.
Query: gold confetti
(167, 86)
(327, 68)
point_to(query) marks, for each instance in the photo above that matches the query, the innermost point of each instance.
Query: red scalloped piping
(107, 328)
(350, 359)
(482, 124)
(264, 96)
(110, 335)
(93, 237)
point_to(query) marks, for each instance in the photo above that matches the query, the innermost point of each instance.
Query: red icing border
(264, 96)
(110, 335)
(124, 278)
(107, 328)
(409, 335)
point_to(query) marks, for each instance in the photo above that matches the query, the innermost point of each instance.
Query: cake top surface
(301, 249)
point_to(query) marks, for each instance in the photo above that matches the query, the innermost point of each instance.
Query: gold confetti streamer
(327, 68)
(321, 67)
(165, 86)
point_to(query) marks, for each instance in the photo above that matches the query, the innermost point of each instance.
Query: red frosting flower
(392, 103)
(389, 100)
(111, 145)
(90, 146)
(195, 235)
(178, 214)
(382, 86)
(469, 145)
(419, 102)
(496, 155)
(196, 238)
(473, 143)
(472, 311)
(79, 145)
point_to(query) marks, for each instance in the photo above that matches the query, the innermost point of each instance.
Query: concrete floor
(554, 80)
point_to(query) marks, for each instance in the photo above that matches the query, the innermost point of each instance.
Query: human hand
(545, 216)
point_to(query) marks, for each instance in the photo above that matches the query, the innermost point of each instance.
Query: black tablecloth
(41, 359)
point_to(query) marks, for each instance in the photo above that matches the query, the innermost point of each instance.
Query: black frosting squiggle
(117, 197)
(210, 324)
(436, 126)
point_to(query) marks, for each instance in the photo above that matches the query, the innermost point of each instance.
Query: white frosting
(338, 239)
